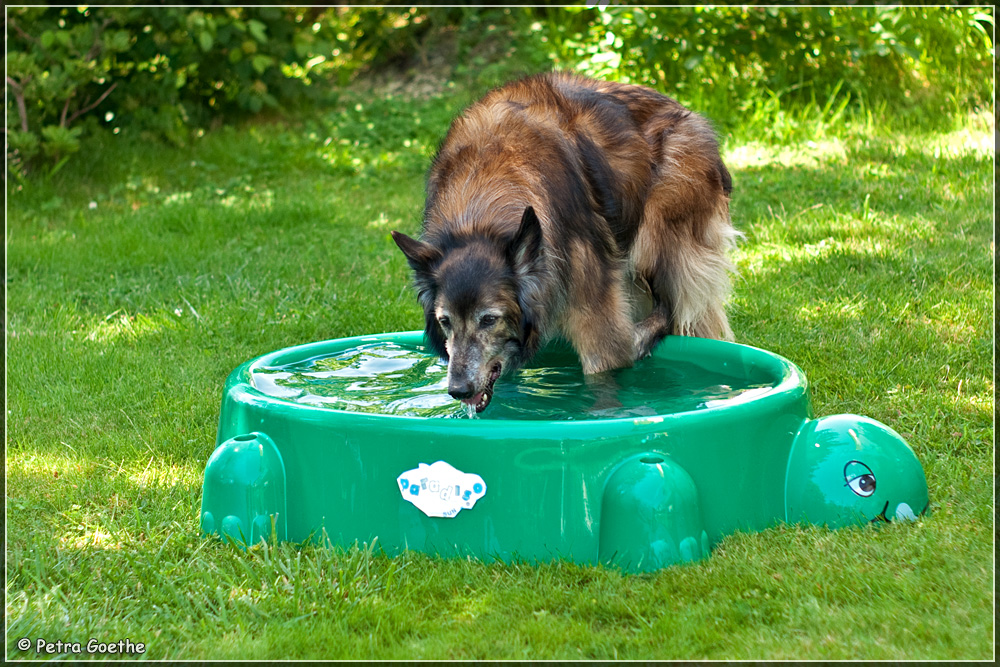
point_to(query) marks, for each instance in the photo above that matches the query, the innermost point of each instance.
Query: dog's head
(479, 310)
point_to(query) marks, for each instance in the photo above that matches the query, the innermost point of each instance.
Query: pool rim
(789, 384)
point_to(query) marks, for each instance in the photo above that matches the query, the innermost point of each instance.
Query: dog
(562, 205)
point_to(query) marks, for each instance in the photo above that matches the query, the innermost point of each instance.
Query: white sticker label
(440, 489)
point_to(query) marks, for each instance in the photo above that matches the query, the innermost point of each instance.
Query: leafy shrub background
(923, 63)
(165, 72)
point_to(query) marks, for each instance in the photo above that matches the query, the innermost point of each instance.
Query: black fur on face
(466, 273)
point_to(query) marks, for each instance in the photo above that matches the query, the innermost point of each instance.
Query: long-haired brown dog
(563, 205)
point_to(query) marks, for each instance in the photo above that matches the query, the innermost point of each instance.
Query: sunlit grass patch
(807, 154)
(123, 325)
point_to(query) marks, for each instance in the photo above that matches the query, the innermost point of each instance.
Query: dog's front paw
(649, 333)
(604, 388)
(604, 404)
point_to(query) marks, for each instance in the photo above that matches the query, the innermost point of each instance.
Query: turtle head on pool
(846, 469)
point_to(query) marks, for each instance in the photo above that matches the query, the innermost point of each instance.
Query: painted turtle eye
(860, 478)
(487, 321)
(863, 486)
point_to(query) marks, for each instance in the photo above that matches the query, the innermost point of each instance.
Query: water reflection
(387, 378)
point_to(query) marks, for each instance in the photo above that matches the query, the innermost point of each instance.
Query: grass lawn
(138, 276)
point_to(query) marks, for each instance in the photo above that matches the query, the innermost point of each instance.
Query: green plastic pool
(355, 440)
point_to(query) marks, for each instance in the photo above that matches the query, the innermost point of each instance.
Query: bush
(917, 60)
(166, 70)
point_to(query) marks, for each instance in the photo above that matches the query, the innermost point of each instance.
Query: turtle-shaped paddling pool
(356, 441)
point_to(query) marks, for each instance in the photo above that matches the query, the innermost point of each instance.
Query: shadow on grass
(880, 334)
(922, 197)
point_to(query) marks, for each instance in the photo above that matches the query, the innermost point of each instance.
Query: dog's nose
(461, 390)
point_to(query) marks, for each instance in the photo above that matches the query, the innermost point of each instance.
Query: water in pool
(387, 378)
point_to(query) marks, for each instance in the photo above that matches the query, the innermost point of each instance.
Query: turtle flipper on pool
(651, 516)
(244, 491)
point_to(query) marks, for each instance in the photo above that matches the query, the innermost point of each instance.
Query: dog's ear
(530, 339)
(522, 251)
(527, 242)
(725, 178)
(420, 255)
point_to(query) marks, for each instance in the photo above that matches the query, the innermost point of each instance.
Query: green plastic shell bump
(651, 516)
(244, 493)
(635, 492)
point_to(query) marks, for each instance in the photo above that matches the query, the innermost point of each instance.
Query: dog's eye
(488, 320)
(444, 322)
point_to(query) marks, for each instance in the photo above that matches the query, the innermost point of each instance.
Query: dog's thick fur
(563, 205)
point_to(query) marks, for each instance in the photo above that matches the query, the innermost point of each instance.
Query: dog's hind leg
(682, 247)
(654, 328)
(690, 284)
(688, 278)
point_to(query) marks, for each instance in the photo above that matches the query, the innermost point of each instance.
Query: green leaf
(205, 40)
(60, 140)
(258, 30)
(118, 41)
(27, 143)
(693, 61)
(261, 62)
(58, 166)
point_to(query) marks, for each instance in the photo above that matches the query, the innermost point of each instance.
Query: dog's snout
(461, 390)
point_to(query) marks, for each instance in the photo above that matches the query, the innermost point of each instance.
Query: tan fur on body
(552, 203)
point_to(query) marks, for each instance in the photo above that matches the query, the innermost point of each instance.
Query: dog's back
(551, 141)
